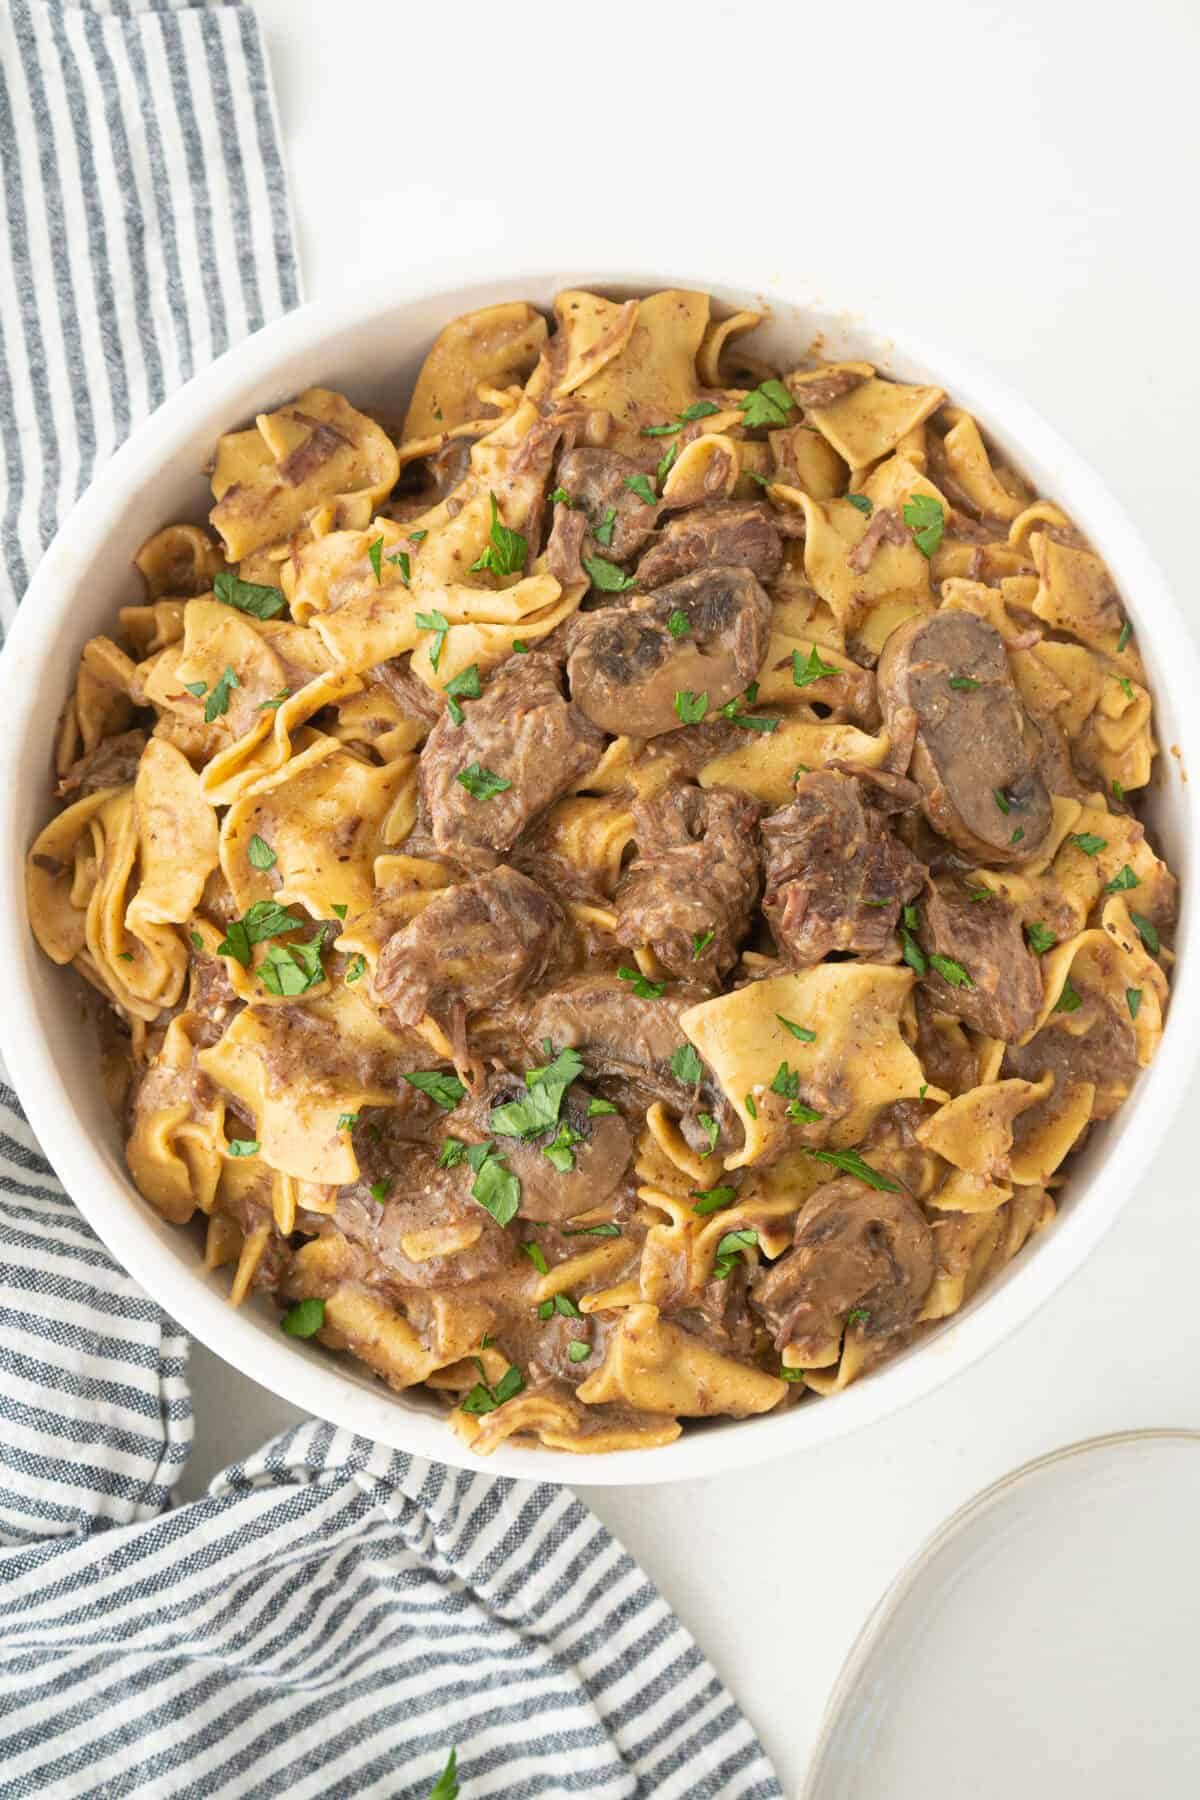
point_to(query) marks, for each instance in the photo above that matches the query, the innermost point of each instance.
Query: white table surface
(1019, 177)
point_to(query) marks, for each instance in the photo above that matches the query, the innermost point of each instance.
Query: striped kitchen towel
(332, 1618)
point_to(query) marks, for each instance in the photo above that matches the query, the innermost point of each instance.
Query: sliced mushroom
(626, 663)
(854, 1250)
(416, 1219)
(615, 1032)
(976, 750)
(599, 1148)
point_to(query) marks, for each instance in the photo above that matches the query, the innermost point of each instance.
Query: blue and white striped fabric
(332, 1618)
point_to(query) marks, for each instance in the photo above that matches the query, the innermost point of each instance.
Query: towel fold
(333, 1617)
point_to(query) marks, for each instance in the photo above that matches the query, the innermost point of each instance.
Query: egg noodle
(618, 894)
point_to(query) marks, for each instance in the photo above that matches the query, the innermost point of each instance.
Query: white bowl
(371, 345)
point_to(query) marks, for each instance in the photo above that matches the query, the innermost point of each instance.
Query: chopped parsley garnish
(700, 942)
(534, 1253)
(802, 1113)
(804, 674)
(733, 710)
(340, 910)
(603, 532)
(711, 1130)
(764, 481)
(465, 686)
(965, 683)
(926, 519)
(446, 1785)
(560, 1153)
(691, 707)
(417, 537)
(197, 940)
(248, 596)
(1147, 932)
(265, 919)
(768, 404)
(748, 1103)
(546, 1310)
(858, 1315)
(798, 1031)
(951, 971)
(1017, 835)
(605, 1230)
(217, 704)
(480, 783)
(292, 969)
(643, 988)
(243, 1146)
(863, 502)
(607, 576)
(786, 1374)
(356, 968)
(1069, 1000)
(700, 409)
(1133, 999)
(497, 1189)
(711, 1200)
(453, 1152)
(506, 553)
(1002, 800)
(729, 1250)
(446, 1089)
(1126, 879)
(1126, 686)
(667, 463)
(260, 854)
(678, 624)
(598, 1108)
(347, 1121)
(307, 1316)
(275, 700)
(914, 956)
(578, 1351)
(686, 1065)
(922, 1090)
(1041, 938)
(560, 497)
(375, 552)
(379, 1190)
(540, 1108)
(640, 485)
(520, 648)
(975, 895)
(402, 562)
(124, 955)
(851, 1163)
(1088, 842)
(786, 1082)
(1118, 790)
(564, 1304)
(485, 1399)
(1123, 636)
(439, 624)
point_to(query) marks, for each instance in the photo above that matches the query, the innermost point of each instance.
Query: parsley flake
(1133, 999)
(851, 1163)
(643, 988)
(640, 485)
(1070, 1000)
(480, 783)
(356, 968)
(965, 683)
(786, 1082)
(292, 969)
(243, 1146)
(711, 1200)
(375, 553)
(686, 1065)
(1147, 932)
(578, 1351)
(1124, 636)
(730, 1248)
(439, 624)
(598, 1108)
(798, 1031)
(497, 1189)
(1088, 842)
(306, 1317)
(691, 707)
(804, 674)
(485, 1399)
(951, 971)
(402, 562)
(248, 596)
(700, 409)
(536, 1257)
(1041, 938)
(606, 1230)
(453, 1152)
(607, 576)
(926, 519)
(259, 853)
(217, 704)
(506, 553)
(767, 405)
(446, 1089)
(679, 624)
(1126, 879)
(446, 1785)
(700, 942)
(465, 686)
(864, 504)
(560, 1153)
(603, 532)
(1002, 800)
(379, 1190)
(711, 1130)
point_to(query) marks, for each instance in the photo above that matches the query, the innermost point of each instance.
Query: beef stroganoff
(618, 894)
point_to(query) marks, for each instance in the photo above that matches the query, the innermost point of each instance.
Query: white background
(1021, 177)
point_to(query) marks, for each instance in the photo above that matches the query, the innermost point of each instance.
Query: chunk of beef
(564, 547)
(475, 945)
(836, 874)
(855, 1250)
(732, 533)
(694, 882)
(211, 999)
(113, 763)
(600, 1149)
(626, 664)
(886, 527)
(1094, 1043)
(983, 938)
(522, 731)
(596, 481)
(814, 389)
(976, 750)
(427, 1231)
